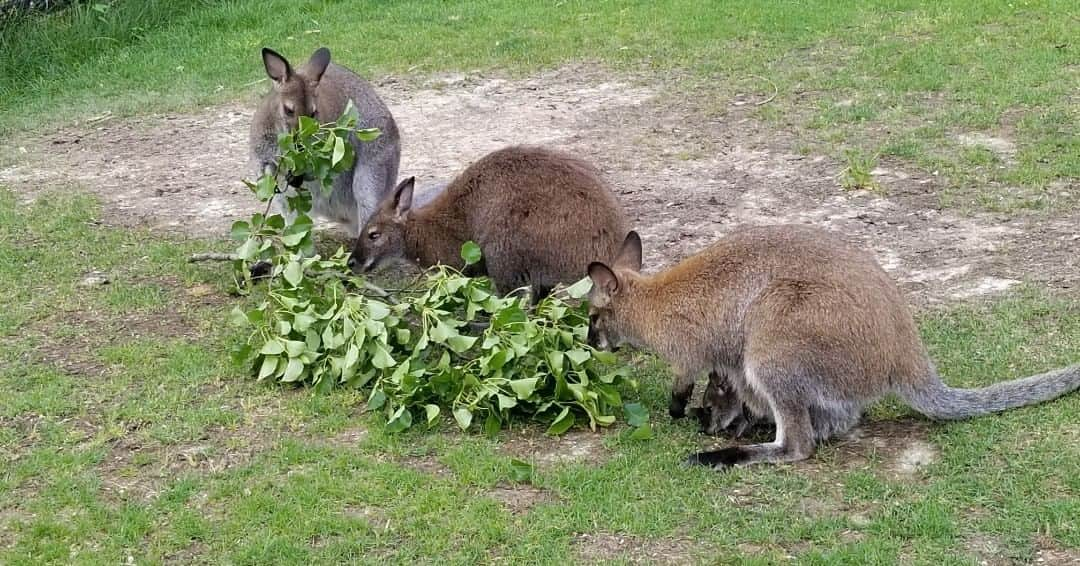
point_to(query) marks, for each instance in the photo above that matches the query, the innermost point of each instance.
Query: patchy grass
(901, 78)
(126, 432)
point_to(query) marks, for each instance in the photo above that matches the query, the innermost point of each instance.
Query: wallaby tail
(939, 401)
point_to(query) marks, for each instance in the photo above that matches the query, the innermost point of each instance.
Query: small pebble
(93, 279)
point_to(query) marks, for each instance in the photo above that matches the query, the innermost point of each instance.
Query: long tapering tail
(939, 401)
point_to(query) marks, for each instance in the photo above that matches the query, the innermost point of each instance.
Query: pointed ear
(630, 253)
(603, 278)
(316, 66)
(403, 197)
(277, 68)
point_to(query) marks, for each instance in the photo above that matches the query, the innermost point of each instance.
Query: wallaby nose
(353, 263)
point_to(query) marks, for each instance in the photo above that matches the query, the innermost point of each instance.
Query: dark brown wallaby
(802, 327)
(539, 216)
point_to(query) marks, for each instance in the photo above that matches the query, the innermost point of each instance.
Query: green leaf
(562, 423)
(381, 359)
(240, 230)
(269, 365)
(377, 399)
(492, 424)
(463, 416)
(265, 187)
(508, 316)
(294, 273)
(294, 348)
(635, 414)
(498, 360)
(521, 471)
(339, 151)
(248, 250)
(238, 317)
(377, 310)
(432, 412)
(555, 361)
(578, 356)
(460, 344)
(401, 420)
(506, 402)
(643, 432)
(293, 370)
(470, 252)
(579, 289)
(524, 388)
(302, 322)
(368, 134)
(441, 332)
(272, 348)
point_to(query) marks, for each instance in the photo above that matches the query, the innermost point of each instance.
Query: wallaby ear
(630, 253)
(603, 278)
(403, 197)
(277, 68)
(316, 66)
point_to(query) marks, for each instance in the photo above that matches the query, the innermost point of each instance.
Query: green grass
(900, 78)
(155, 446)
(125, 431)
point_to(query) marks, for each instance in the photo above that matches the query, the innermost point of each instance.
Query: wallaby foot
(794, 441)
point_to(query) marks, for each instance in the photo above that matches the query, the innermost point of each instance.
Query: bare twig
(775, 90)
(380, 292)
(211, 256)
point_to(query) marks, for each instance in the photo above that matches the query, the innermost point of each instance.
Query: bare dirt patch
(1051, 553)
(686, 172)
(139, 469)
(570, 448)
(519, 499)
(603, 547)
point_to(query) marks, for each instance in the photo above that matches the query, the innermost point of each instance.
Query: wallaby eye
(289, 111)
(374, 235)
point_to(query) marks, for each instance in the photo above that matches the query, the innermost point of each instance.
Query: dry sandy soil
(685, 179)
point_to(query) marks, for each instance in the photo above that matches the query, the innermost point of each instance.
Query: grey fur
(793, 324)
(357, 192)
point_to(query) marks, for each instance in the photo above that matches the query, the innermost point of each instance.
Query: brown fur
(539, 216)
(798, 325)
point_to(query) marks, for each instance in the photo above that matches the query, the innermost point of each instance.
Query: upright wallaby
(539, 216)
(322, 89)
(804, 328)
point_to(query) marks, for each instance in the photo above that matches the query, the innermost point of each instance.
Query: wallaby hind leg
(794, 430)
(833, 420)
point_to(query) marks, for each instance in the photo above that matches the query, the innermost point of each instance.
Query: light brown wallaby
(539, 216)
(804, 328)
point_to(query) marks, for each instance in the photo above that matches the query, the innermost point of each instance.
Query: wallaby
(322, 89)
(539, 216)
(804, 328)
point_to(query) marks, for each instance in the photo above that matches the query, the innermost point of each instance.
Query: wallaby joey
(804, 328)
(539, 216)
(321, 89)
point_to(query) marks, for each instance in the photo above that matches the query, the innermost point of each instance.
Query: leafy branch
(449, 348)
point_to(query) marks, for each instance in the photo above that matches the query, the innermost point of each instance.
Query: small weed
(857, 175)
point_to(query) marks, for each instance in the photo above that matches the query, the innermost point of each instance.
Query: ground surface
(684, 177)
(127, 435)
